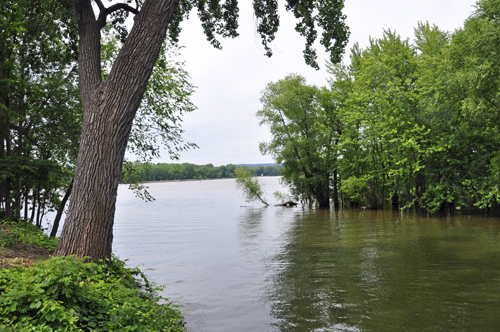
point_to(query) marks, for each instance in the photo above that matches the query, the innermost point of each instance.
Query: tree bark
(322, 194)
(60, 211)
(26, 193)
(109, 110)
(336, 203)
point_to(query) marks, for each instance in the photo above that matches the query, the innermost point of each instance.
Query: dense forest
(407, 124)
(163, 171)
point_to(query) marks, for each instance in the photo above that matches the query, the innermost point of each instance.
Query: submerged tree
(422, 118)
(249, 185)
(110, 105)
(302, 142)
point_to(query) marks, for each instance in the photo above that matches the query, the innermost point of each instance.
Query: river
(237, 266)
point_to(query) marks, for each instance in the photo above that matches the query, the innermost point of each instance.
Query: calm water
(251, 268)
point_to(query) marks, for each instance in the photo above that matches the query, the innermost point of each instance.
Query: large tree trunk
(109, 110)
(323, 200)
(322, 193)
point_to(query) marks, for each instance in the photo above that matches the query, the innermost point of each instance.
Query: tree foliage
(299, 117)
(418, 135)
(147, 171)
(221, 18)
(40, 110)
(249, 185)
(415, 124)
(158, 123)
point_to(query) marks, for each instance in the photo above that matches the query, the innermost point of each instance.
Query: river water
(237, 266)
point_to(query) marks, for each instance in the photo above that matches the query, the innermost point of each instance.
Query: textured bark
(109, 110)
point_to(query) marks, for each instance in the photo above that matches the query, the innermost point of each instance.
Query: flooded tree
(249, 185)
(300, 142)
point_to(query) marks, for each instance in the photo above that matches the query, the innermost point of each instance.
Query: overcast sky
(229, 81)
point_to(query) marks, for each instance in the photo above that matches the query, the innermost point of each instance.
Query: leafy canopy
(220, 17)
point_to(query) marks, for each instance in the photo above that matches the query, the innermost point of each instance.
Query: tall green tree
(474, 58)
(301, 141)
(421, 122)
(440, 106)
(110, 105)
(386, 119)
(40, 111)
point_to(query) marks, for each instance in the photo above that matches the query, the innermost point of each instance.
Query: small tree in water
(249, 185)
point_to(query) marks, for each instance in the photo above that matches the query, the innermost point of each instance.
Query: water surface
(235, 266)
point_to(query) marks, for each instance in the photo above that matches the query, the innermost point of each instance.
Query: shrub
(70, 294)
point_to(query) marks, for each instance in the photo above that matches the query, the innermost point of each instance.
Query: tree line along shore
(408, 124)
(164, 171)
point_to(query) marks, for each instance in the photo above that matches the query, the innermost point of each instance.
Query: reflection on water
(254, 268)
(383, 271)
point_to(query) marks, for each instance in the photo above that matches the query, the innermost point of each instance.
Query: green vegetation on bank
(14, 232)
(407, 124)
(70, 294)
(140, 172)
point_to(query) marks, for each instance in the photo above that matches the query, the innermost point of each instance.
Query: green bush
(8, 239)
(355, 189)
(25, 232)
(69, 294)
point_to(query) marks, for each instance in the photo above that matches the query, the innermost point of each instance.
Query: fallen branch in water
(288, 203)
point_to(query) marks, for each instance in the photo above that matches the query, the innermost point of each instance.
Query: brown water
(234, 268)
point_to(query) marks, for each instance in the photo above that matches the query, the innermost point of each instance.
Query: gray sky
(229, 81)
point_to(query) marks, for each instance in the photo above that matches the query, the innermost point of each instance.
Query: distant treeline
(164, 171)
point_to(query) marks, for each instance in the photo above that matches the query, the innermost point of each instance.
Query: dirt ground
(22, 254)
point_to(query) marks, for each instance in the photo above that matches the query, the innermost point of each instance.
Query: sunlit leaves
(299, 117)
(422, 118)
(159, 118)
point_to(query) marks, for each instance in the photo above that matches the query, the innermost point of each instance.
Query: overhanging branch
(104, 12)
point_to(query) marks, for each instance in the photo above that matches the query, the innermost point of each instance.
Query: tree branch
(491, 102)
(104, 12)
(100, 5)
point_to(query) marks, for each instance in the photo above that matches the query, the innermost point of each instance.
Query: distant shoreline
(183, 180)
(187, 180)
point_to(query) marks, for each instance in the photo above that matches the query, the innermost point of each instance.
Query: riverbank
(41, 292)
